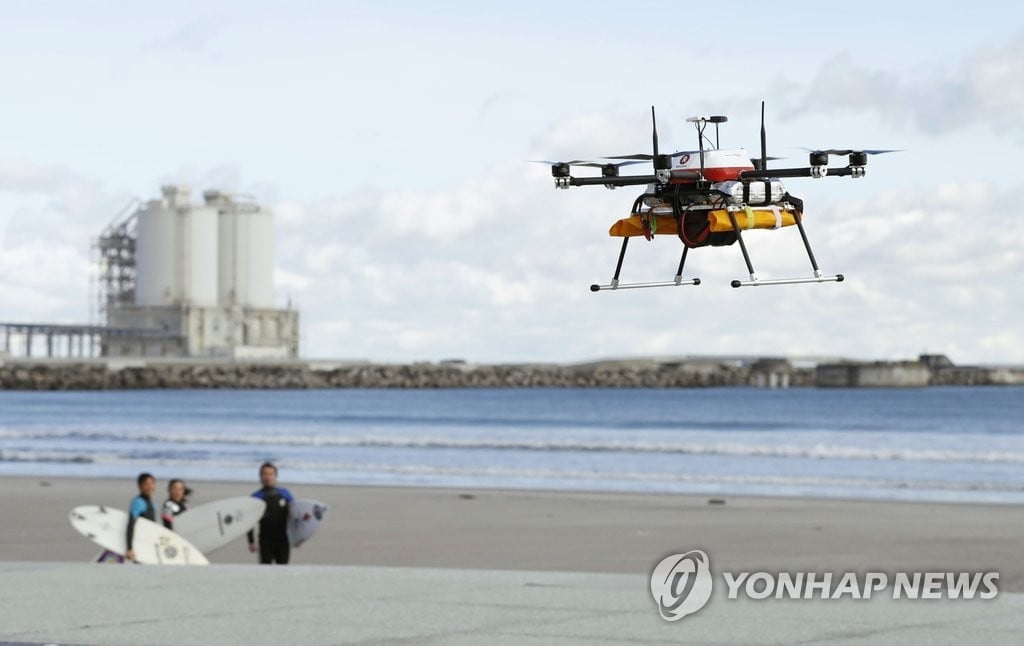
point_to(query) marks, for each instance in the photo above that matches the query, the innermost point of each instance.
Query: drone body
(709, 197)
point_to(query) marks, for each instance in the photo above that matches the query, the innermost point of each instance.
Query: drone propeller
(603, 164)
(584, 162)
(842, 152)
(575, 162)
(643, 156)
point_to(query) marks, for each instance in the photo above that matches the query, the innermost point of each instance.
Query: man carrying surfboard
(273, 525)
(142, 506)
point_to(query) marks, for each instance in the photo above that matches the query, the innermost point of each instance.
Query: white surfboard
(304, 518)
(153, 544)
(213, 525)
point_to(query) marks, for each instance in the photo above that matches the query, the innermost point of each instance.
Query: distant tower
(200, 280)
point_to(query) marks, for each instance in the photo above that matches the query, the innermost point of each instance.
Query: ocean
(949, 444)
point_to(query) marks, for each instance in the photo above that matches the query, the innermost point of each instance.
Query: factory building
(196, 280)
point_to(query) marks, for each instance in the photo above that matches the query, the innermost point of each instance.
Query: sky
(392, 141)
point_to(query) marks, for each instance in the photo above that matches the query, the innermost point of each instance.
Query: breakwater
(113, 374)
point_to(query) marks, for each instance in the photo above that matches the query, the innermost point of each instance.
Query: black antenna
(701, 124)
(661, 162)
(654, 134)
(764, 146)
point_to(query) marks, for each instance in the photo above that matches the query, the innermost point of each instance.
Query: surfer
(273, 546)
(177, 494)
(142, 506)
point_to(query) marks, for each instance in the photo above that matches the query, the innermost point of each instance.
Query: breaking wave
(38, 456)
(820, 451)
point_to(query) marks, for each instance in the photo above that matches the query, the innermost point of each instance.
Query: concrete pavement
(245, 604)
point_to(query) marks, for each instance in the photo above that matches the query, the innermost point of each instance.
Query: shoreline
(554, 491)
(612, 533)
(524, 490)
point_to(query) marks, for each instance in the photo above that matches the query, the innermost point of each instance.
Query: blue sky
(390, 139)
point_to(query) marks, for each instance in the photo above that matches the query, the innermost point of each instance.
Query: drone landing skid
(755, 282)
(677, 281)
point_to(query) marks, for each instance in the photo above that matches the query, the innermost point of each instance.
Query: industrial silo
(199, 276)
(245, 239)
(156, 279)
(176, 252)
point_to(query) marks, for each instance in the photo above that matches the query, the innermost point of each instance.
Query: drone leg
(618, 265)
(678, 280)
(807, 244)
(618, 269)
(743, 248)
(818, 277)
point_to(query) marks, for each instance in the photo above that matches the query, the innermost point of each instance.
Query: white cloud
(193, 36)
(986, 88)
(49, 217)
(25, 177)
(35, 278)
(286, 281)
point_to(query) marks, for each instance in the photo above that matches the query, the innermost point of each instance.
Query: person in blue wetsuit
(273, 526)
(141, 507)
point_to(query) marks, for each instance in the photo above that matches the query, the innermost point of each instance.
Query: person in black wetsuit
(141, 507)
(176, 502)
(273, 545)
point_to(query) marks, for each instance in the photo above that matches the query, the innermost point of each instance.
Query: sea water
(957, 444)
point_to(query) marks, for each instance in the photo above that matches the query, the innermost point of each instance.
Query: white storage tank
(156, 278)
(245, 239)
(199, 275)
(176, 252)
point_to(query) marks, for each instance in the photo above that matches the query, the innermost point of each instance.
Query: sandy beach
(566, 531)
(461, 566)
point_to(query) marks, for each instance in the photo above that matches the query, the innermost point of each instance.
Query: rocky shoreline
(99, 374)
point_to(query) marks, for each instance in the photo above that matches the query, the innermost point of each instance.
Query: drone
(710, 197)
